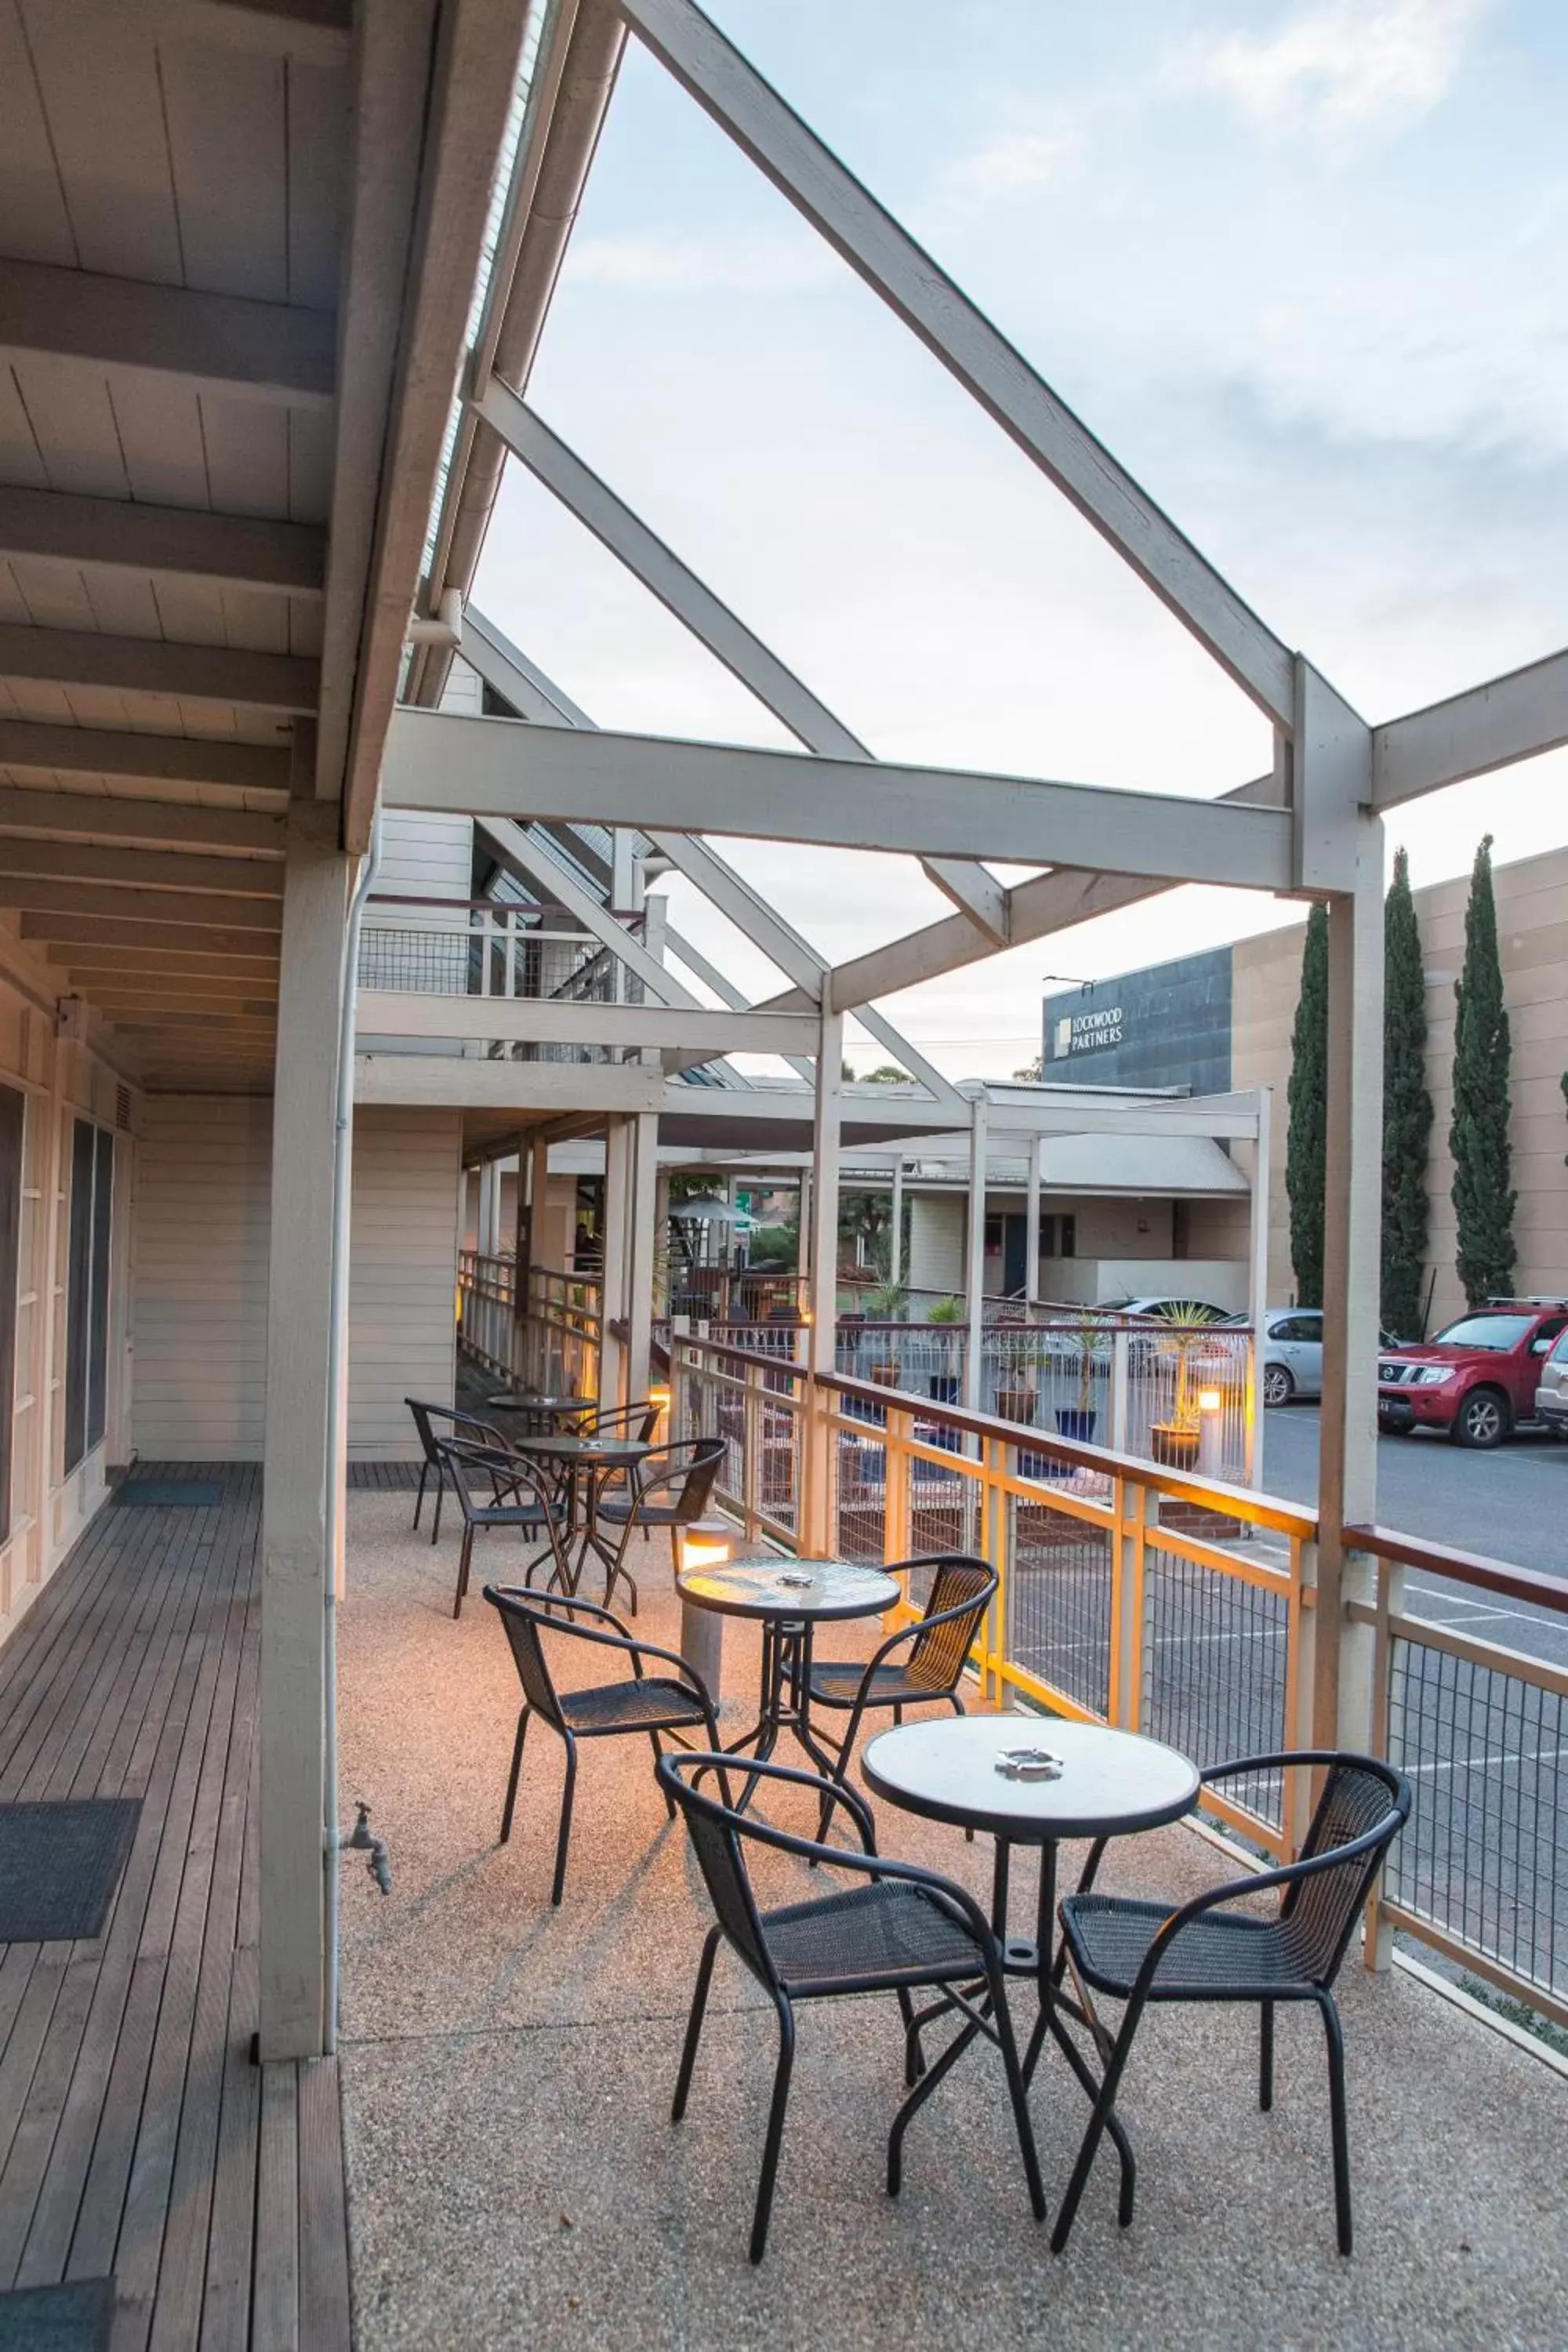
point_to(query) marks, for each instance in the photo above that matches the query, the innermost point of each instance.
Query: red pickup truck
(1477, 1380)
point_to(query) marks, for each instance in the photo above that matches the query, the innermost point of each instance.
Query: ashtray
(796, 1583)
(1028, 1764)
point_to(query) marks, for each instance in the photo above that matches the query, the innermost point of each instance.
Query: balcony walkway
(507, 2073)
(137, 2140)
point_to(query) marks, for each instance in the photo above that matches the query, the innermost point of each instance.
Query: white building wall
(199, 1308)
(936, 1241)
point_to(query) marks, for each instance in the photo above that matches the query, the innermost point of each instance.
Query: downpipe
(335, 1840)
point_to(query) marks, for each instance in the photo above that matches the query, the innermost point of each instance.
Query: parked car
(1552, 1396)
(1479, 1378)
(1166, 1310)
(1292, 1359)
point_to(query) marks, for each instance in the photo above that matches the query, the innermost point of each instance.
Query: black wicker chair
(904, 1929)
(462, 1425)
(938, 1645)
(1203, 1950)
(648, 1703)
(669, 1489)
(498, 1488)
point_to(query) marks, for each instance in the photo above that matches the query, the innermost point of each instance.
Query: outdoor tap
(361, 1840)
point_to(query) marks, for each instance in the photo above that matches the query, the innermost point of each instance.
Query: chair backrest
(937, 1652)
(678, 1480)
(458, 1425)
(467, 1462)
(716, 1831)
(635, 1422)
(526, 1622)
(1360, 1797)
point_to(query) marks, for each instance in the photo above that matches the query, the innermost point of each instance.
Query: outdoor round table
(791, 1598)
(1110, 1784)
(588, 1463)
(538, 1407)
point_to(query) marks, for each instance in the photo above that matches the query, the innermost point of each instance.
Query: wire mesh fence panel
(778, 1475)
(944, 1509)
(1215, 1666)
(860, 1493)
(1058, 1602)
(1485, 1854)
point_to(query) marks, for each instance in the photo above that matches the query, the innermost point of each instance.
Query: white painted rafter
(744, 654)
(551, 1020)
(1489, 726)
(495, 767)
(221, 343)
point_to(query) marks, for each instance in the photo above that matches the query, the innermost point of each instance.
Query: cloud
(1007, 165)
(675, 263)
(1344, 66)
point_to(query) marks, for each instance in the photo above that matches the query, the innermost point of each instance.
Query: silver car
(1292, 1354)
(1552, 1396)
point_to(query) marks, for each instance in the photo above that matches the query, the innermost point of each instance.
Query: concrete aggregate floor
(514, 2178)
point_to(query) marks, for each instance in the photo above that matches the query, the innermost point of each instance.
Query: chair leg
(675, 1549)
(1266, 2058)
(420, 1497)
(440, 1490)
(657, 1752)
(564, 1839)
(1336, 2042)
(1092, 2136)
(694, 2023)
(516, 1776)
(775, 2131)
(464, 1557)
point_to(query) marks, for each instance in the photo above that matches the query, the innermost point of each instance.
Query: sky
(1296, 262)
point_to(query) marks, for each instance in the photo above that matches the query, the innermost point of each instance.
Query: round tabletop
(793, 1589)
(616, 1451)
(1111, 1782)
(524, 1401)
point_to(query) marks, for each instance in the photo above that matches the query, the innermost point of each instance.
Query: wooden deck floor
(136, 2138)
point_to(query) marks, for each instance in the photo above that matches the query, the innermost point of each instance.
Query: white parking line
(1509, 1755)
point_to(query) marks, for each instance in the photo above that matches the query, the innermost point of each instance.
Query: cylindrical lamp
(704, 1543)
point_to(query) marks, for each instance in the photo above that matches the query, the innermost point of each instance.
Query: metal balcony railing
(549, 1342)
(1185, 1607)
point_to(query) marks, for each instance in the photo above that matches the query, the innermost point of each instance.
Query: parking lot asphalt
(1511, 1505)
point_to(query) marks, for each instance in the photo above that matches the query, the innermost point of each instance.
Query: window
(87, 1290)
(1309, 1328)
(992, 1236)
(13, 1120)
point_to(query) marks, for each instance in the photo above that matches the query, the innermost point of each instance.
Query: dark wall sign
(1168, 1027)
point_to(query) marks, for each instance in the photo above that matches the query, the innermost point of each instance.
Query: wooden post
(975, 1254)
(823, 1280)
(616, 1292)
(643, 1190)
(294, 1562)
(1032, 1223)
(1347, 1476)
(896, 1242)
(1258, 1284)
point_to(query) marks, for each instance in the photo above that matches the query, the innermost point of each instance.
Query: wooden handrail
(1463, 1567)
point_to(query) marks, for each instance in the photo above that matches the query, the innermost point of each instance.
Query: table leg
(1050, 2021)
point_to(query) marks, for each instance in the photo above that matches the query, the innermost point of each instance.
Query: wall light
(1209, 1400)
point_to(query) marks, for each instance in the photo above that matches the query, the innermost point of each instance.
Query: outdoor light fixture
(704, 1544)
(1209, 1400)
(658, 1397)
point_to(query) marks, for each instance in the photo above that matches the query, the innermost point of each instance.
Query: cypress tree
(1306, 1144)
(1406, 1109)
(1478, 1138)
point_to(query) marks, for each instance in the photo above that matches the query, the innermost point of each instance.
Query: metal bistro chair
(668, 1489)
(1140, 1952)
(650, 1704)
(939, 1642)
(521, 1497)
(462, 1425)
(903, 1930)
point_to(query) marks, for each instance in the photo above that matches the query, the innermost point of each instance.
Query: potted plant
(885, 1302)
(1078, 1420)
(1017, 1396)
(946, 1313)
(1175, 1443)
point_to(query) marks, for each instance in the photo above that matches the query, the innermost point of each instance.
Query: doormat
(178, 1493)
(75, 2318)
(60, 1866)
